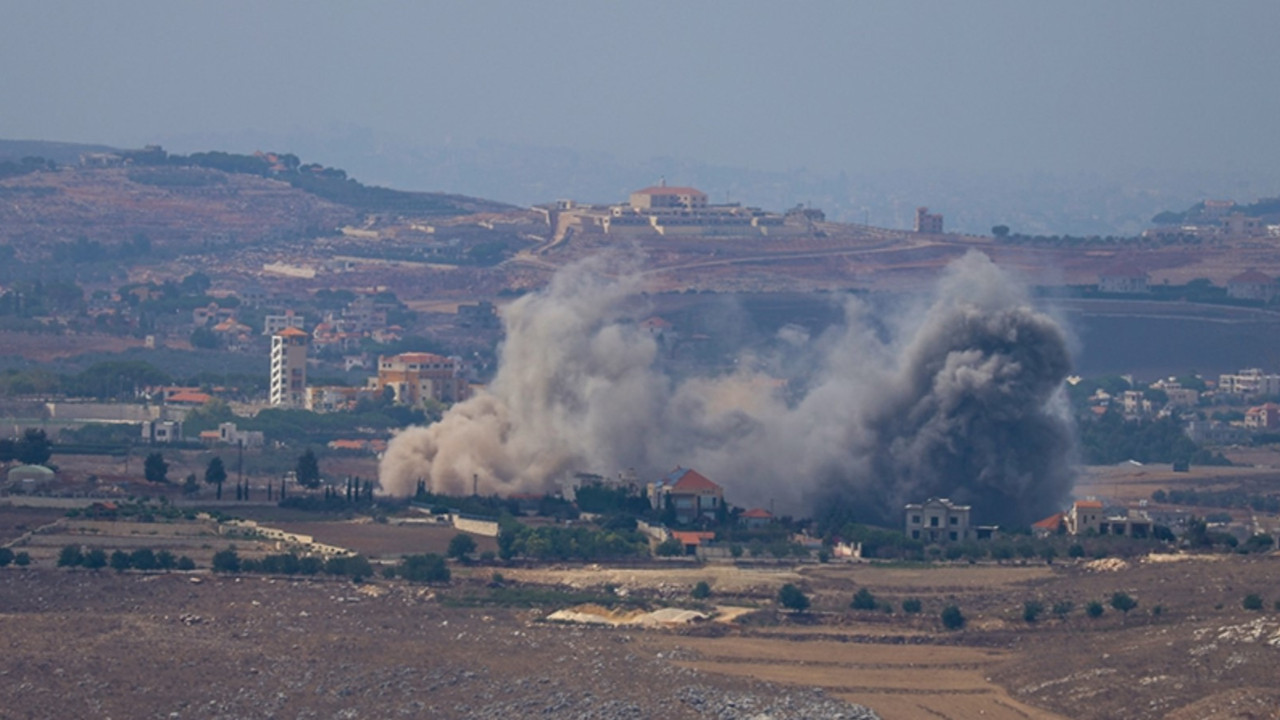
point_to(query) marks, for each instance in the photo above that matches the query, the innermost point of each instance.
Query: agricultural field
(572, 640)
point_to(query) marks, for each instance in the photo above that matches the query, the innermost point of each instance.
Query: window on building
(915, 519)
(955, 521)
(953, 535)
(933, 521)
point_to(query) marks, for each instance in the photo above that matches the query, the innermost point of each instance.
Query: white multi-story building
(289, 368)
(272, 324)
(1250, 382)
(937, 520)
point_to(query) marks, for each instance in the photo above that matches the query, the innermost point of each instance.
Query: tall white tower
(289, 368)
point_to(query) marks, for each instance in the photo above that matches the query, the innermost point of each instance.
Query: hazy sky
(986, 85)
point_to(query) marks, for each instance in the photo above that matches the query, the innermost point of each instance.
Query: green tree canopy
(793, 598)
(215, 473)
(34, 447)
(155, 469)
(308, 470)
(461, 546)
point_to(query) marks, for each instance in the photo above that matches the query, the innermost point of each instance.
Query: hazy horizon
(1166, 99)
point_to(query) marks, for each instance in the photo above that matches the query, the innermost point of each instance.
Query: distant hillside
(123, 199)
(59, 152)
(328, 183)
(1263, 207)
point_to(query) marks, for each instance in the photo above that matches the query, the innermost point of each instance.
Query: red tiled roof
(693, 481)
(291, 332)
(757, 513)
(1050, 523)
(194, 398)
(692, 537)
(656, 322)
(1093, 504)
(664, 190)
(1252, 277)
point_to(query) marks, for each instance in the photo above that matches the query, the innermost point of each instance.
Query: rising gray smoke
(962, 399)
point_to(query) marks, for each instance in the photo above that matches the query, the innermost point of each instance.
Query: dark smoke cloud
(961, 398)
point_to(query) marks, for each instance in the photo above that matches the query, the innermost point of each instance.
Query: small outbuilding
(30, 478)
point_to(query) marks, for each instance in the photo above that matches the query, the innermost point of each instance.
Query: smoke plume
(961, 399)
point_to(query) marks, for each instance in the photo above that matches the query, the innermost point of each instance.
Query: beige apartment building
(415, 377)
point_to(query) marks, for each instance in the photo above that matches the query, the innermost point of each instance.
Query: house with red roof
(689, 493)
(1085, 515)
(692, 539)
(755, 518)
(1252, 285)
(1263, 417)
(1055, 524)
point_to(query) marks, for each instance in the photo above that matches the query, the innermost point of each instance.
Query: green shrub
(1122, 602)
(6, 556)
(1031, 610)
(22, 559)
(793, 598)
(95, 558)
(143, 559)
(863, 600)
(1093, 609)
(701, 591)
(186, 564)
(71, 556)
(1063, 608)
(226, 561)
(424, 568)
(120, 561)
(1252, 602)
(952, 618)
(911, 605)
(670, 547)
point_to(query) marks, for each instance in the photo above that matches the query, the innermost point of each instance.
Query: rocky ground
(108, 645)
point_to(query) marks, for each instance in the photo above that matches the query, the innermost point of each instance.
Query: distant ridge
(63, 153)
(328, 183)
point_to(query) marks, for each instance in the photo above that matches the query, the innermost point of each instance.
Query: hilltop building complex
(672, 211)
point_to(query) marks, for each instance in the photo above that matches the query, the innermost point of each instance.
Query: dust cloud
(959, 398)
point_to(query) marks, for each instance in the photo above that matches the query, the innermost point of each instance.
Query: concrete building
(928, 223)
(1214, 432)
(416, 377)
(1250, 382)
(229, 434)
(1089, 517)
(938, 520)
(1085, 515)
(661, 196)
(333, 398)
(289, 368)
(162, 431)
(676, 212)
(273, 324)
(1124, 279)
